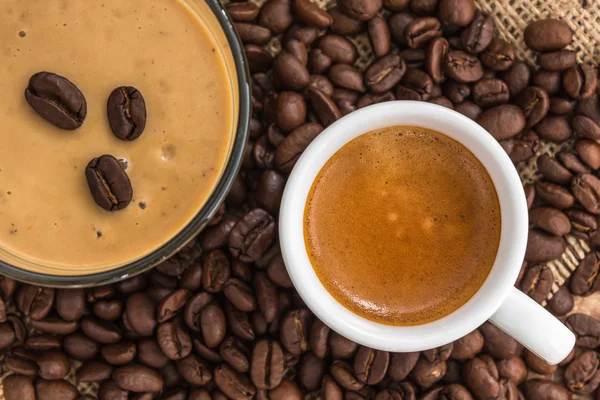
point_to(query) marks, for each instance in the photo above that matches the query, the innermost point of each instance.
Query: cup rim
(511, 250)
(201, 219)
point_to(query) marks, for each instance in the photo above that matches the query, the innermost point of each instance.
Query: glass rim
(208, 210)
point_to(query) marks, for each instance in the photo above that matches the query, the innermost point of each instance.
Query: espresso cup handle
(534, 327)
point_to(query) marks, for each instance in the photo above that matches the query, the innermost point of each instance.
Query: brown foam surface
(402, 225)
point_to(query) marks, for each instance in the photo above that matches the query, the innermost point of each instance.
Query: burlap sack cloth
(511, 17)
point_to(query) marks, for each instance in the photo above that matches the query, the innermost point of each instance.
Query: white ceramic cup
(497, 299)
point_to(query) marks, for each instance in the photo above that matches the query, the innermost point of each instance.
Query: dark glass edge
(190, 231)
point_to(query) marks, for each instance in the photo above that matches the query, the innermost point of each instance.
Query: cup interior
(513, 236)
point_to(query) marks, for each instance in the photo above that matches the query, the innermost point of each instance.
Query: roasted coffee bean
(521, 147)
(311, 14)
(148, 353)
(547, 35)
(171, 304)
(18, 387)
(54, 325)
(554, 195)
(491, 92)
(330, 390)
(419, 32)
(513, 369)
(278, 274)
(109, 390)
(481, 376)
(370, 366)
(57, 100)
(286, 156)
(347, 77)
(589, 152)
(53, 365)
(240, 294)
(456, 92)
(34, 301)
(254, 232)
(100, 331)
(441, 353)
(108, 182)
(424, 7)
(241, 270)
(287, 390)
(194, 370)
(339, 49)
(585, 127)
(559, 105)
(479, 34)
(586, 189)
(395, 5)
(55, 390)
(557, 60)
(7, 287)
(529, 190)
(109, 310)
(344, 376)
(138, 378)
(385, 73)
(550, 219)
(93, 371)
(419, 82)
(572, 162)
(235, 353)
(252, 33)
(582, 280)
(21, 362)
(276, 15)
(370, 99)
(582, 375)
(291, 110)
(502, 122)
(215, 269)
(413, 58)
(268, 365)
(580, 82)
(322, 83)
(404, 93)
(379, 36)
(173, 340)
(259, 60)
(463, 67)
(436, 54)
(561, 302)
(499, 55)
(319, 335)
(244, 12)
(534, 102)
(457, 12)
(497, 343)
(401, 364)
(426, 373)
(294, 331)
(290, 71)
(586, 328)
(343, 24)
(442, 101)
(70, 303)
(450, 392)
(553, 170)
(550, 81)
(232, 384)
(213, 325)
(554, 128)
(140, 311)
(303, 33)
(362, 10)
(398, 23)
(80, 347)
(517, 77)
(543, 247)
(467, 346)
(266, 296)
(537, 364)
(341, 348)
(119, 353)
(327, 112)
(310, 371)
(126, 113)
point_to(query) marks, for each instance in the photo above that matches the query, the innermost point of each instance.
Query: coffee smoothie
(161, 49)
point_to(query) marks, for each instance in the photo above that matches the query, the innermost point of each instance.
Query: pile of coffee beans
(221, 320)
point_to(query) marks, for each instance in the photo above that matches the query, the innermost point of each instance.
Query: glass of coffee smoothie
(185, 59)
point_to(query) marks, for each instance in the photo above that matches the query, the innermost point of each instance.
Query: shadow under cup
(513, 236)
(229, 46)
